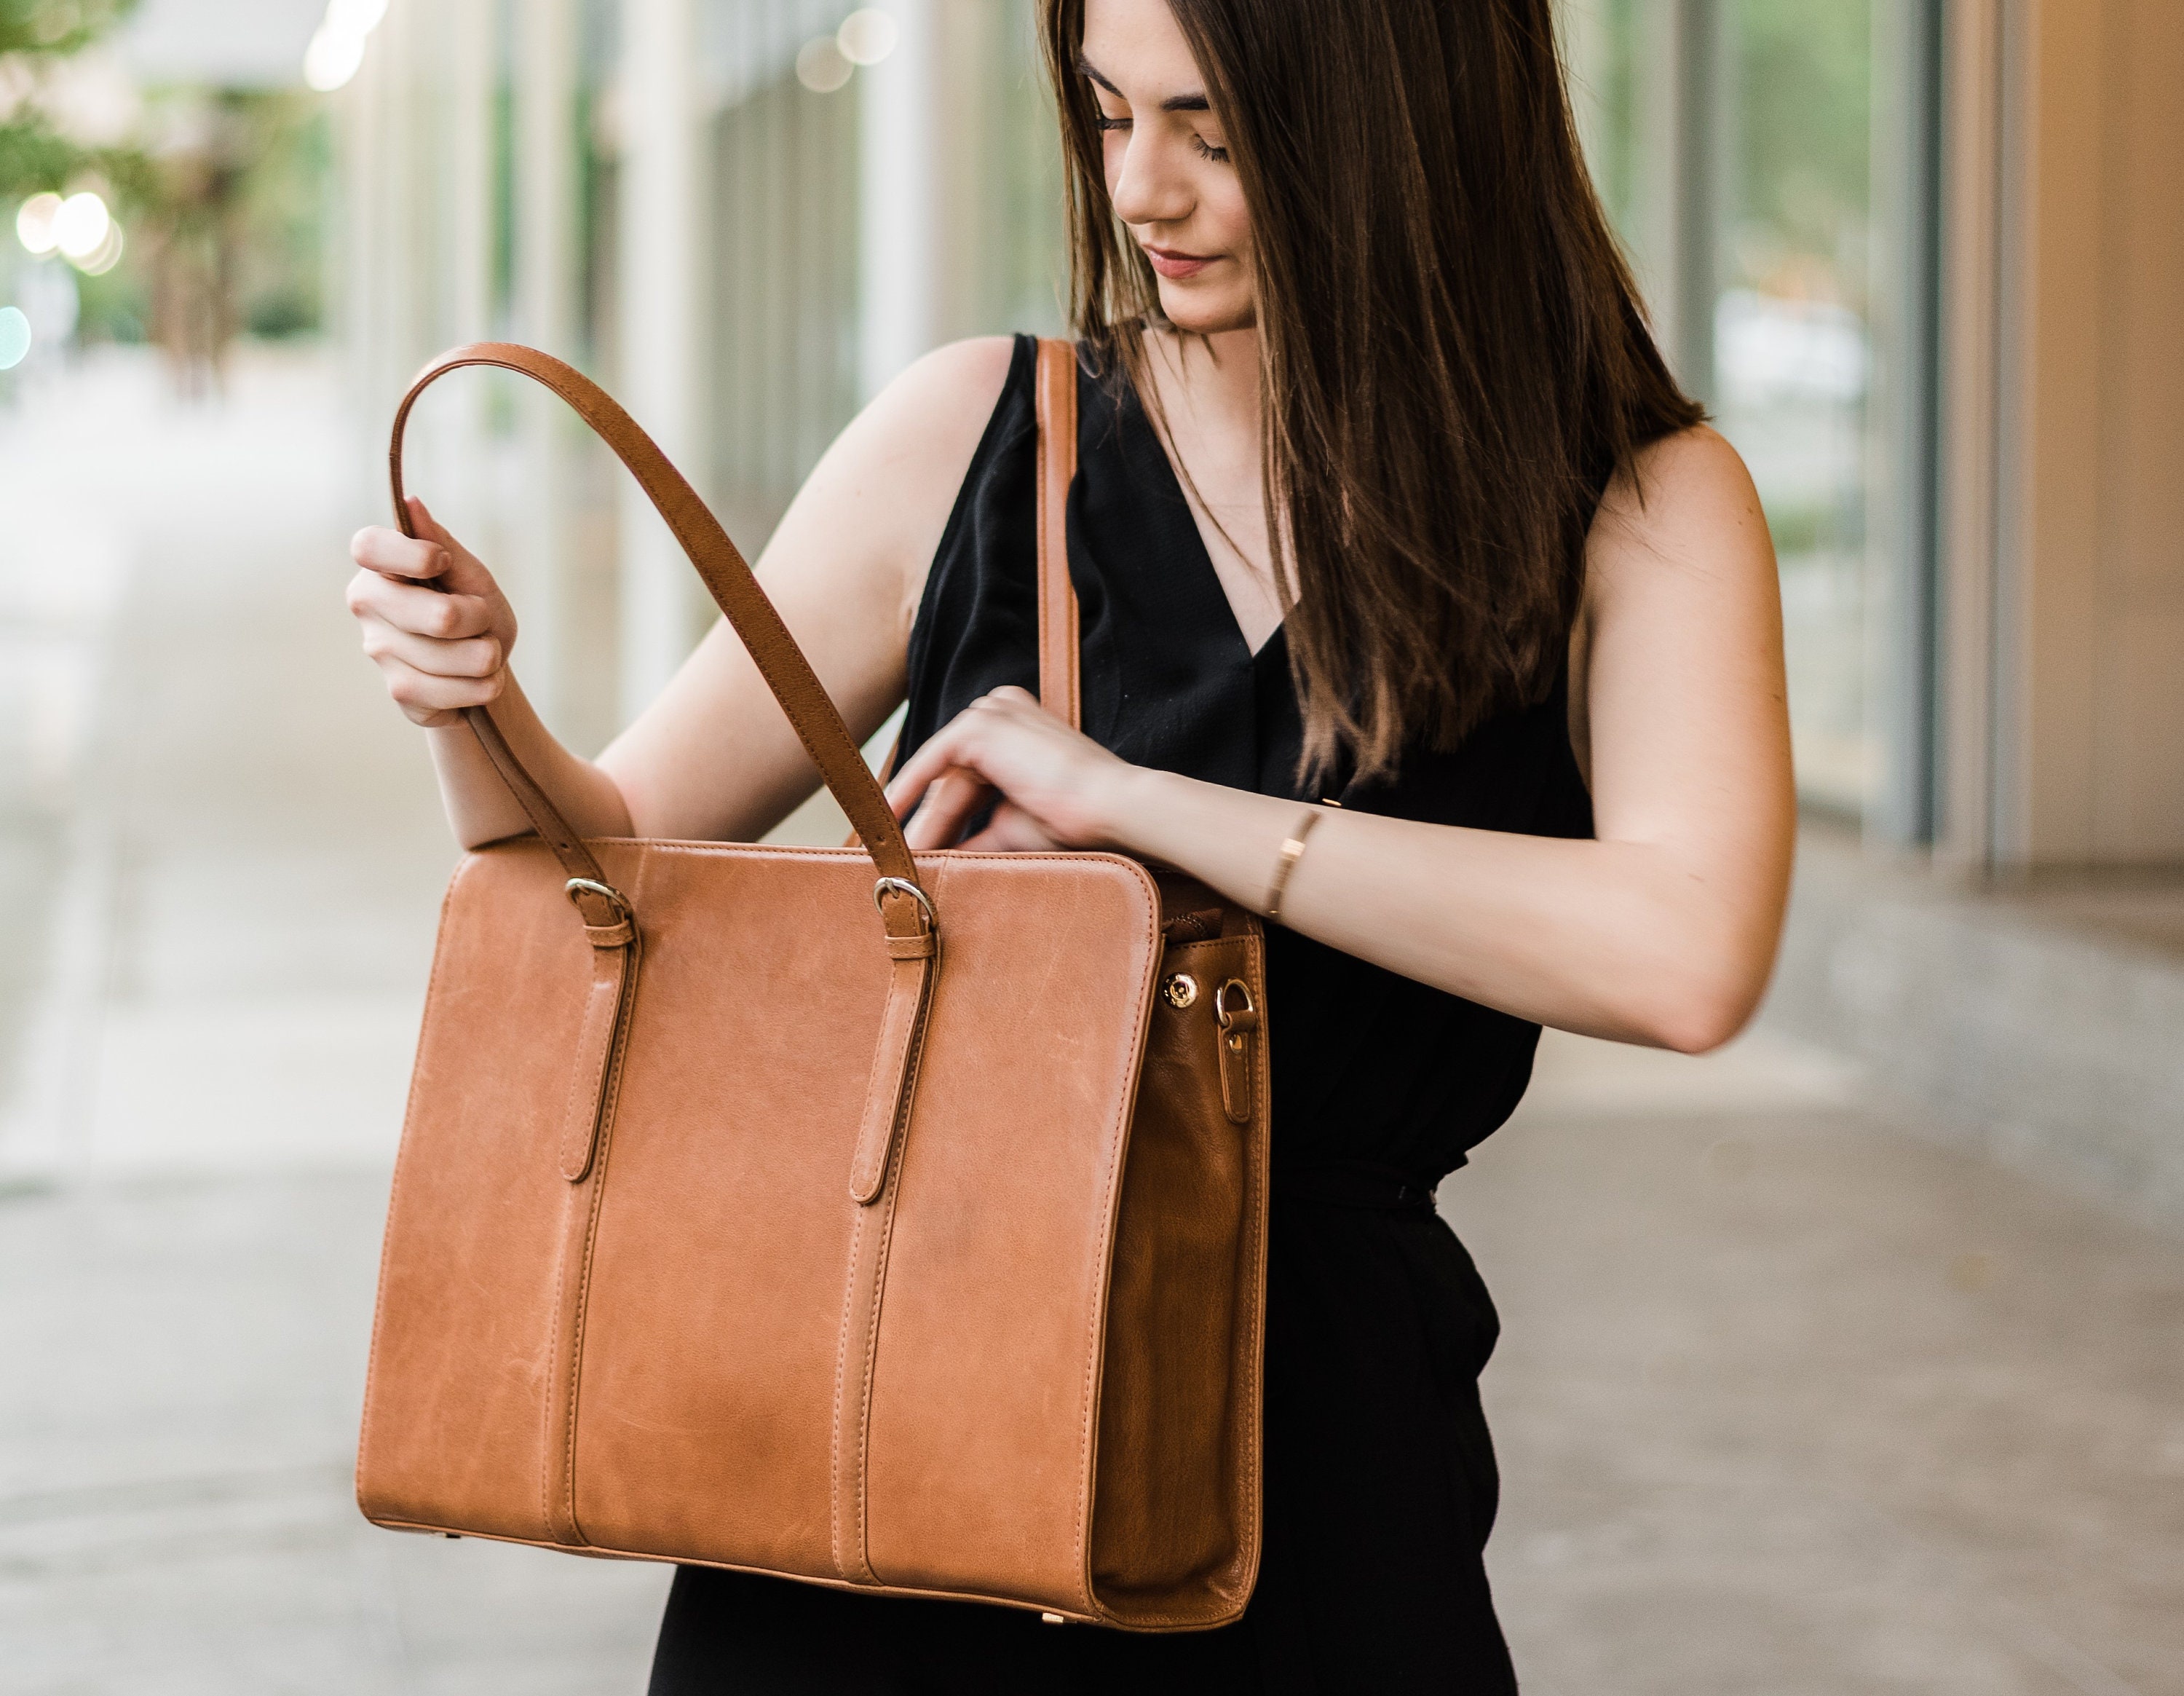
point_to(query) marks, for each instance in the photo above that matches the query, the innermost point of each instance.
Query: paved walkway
(1789, 1401)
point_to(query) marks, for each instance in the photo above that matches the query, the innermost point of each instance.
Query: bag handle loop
(1054, 405)
(734, 589)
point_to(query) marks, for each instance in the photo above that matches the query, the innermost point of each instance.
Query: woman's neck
(1215, 378)
(1207, 390)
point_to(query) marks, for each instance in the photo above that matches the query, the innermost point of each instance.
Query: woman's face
(1168, 174)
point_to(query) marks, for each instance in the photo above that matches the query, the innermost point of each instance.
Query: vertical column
(2088, 680)
(1969, 401)
(545, 298)
(1678, 175)
(470, 166)
(465, 170)
(661, 244)
(903, 209)
(1902, 470)
(2065, 295)
(352, 276)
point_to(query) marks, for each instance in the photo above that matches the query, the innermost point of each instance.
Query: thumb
(465, 574)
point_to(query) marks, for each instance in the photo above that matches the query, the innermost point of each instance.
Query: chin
(1206, 312)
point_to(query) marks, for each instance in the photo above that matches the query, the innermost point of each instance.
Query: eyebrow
(1174, 102)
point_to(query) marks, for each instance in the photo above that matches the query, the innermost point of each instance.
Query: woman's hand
(1052, 787)
(435, 623)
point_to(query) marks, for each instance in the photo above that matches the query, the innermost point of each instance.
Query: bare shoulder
(937, 407)
(897, 467)
(1686, 499)
(864, 528)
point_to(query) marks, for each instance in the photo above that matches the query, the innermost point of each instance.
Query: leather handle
(727, 577)
(1053, 402)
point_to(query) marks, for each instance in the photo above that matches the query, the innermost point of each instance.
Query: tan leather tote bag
(890, 1224)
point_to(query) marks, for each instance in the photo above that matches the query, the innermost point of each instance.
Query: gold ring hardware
(1227, 1015)
(576, 888)
(1181, 990)
(903, 886)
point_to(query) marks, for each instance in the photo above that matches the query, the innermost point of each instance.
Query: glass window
(1733, 143)
(1792, 356)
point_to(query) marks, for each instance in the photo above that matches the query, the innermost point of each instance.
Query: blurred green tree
(35, 154)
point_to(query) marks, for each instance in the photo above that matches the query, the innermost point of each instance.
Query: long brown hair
(1453, 357)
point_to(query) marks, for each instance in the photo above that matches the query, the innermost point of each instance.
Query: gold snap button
(1181, 989)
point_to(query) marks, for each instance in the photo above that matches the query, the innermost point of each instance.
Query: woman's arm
(713, 757)
(1661, 931)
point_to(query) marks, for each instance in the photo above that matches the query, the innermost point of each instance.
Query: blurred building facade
(710, 207)
(1924, 259)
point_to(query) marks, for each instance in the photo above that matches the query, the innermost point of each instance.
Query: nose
(1146, 186)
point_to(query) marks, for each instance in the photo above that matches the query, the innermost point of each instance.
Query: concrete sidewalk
(1790, 1401)
(239, 839)
(206, 1044)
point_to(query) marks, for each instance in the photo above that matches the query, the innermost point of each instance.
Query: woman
(1386, 499)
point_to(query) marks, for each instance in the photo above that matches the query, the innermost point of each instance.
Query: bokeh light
(333, 57)
(15, 336)
(867, 35)
(81, 225)
(105, 255)
(821, 66)
(357, 17)
(337, 50)
(34, 224)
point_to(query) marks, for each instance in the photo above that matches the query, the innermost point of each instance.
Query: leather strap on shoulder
(787, 673)
(1055, 403)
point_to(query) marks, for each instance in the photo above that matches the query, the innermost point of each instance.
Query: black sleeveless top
(1379, 1477)
(1369, 1067)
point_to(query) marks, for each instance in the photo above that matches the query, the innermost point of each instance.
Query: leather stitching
(892, 1057)
(863, 1296)
(878, 1285)
(925, 1594)
(625, 1014)
(1244, 1501)
(899, 1134)
(579, 1073)
(841, 1364)
(561, 1249)
(1125, 1106)
(546, 1456)
(394, 1186)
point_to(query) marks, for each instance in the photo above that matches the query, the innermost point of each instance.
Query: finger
(415, 691)
(908, 785)
(465, 573)
(953, 800)
(391, 553)
(474, 656)
(418, 610)
(1011, 830)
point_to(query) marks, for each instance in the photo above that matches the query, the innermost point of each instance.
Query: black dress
(1380, 1483)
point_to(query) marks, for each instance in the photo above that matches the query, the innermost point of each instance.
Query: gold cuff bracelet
(1292, 851)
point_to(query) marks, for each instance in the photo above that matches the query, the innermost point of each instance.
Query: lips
(1175, 265)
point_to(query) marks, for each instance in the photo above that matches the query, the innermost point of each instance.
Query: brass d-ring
(903, 886)
(1222, 1011)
